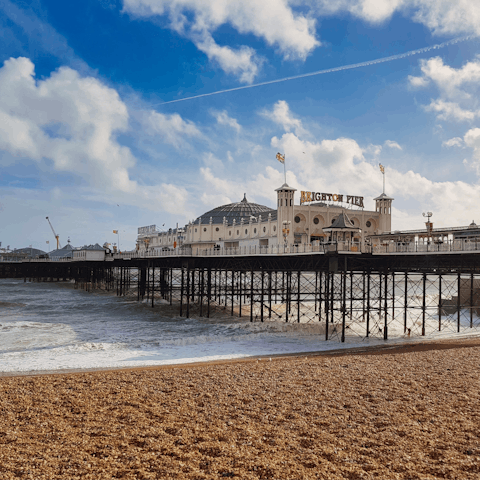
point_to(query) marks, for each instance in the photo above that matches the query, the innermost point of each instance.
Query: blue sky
(87, 139)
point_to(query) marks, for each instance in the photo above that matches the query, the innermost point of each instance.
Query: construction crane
(54, 234)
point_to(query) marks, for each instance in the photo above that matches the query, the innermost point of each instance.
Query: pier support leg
(153, 286)
(459, 288)
(188, 292)
(298, 295)
(471, 300)
(344, 303)
(262, 295)
(327, 302)
(368, 304)
(424, 305)
(440, 303)
(181, 292)
(385, 314)
(209, 290)
(251, 296)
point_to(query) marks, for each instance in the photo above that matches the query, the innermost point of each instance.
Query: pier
(377, 293)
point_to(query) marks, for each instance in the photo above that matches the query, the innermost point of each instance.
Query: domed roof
(236, 211)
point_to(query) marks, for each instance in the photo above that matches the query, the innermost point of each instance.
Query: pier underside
(347, 296)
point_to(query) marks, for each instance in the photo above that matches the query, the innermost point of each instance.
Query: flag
(115, 231)
(382, 168)
(281, 158)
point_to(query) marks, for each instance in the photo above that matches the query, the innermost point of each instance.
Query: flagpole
(284, 170)
(382, 169)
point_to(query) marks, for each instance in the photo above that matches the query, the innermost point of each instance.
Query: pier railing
(427, 247)
(279, 249)
(452, 246)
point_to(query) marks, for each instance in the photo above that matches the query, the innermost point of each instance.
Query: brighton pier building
(318, 218)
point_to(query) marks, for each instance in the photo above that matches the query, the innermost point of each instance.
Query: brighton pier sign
(306, 197)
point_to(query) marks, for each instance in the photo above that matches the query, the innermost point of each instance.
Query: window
(204, 229)
(217, 229)
(297, 219)
(230, 233)
(264, 229)
(333, 220)
(254, 230)
(238, 231)
(368, 224)
(246, 231)
(274, 228)
(316, 221)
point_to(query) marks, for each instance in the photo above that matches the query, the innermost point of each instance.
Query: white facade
(89, 253)
(289, 224)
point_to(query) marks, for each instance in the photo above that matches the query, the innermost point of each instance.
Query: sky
(99, 129)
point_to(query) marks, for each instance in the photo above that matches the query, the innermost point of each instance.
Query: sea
(52, 327)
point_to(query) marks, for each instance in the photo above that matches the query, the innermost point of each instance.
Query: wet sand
(401, 412)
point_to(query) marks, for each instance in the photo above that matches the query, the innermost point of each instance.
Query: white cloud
(274, 21)
(443, 17)
(453, 142)
(281, 115)
(70, 124)
(172, 128)
(241, 62)
(373, 150)
(392, 144)
(472, 140)
(223, 119)
(290, 25)
(452, 82)
(211, 161)
(451, 111)
(70, 120)
(458, 89)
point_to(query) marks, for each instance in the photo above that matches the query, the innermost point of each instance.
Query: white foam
(24, 335)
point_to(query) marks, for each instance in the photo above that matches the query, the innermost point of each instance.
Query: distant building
(89, 252)
(61, 253)
(30, 252)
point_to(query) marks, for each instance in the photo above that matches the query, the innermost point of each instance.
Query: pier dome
(236, 211)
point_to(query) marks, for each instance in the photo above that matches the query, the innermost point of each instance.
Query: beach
(406, 412)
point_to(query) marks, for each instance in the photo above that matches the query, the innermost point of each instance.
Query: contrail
(331, 70)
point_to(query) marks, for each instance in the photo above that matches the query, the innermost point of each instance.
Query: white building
(320, 217)
(90, 253)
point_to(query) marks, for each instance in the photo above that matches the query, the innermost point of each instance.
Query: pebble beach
(407, 412)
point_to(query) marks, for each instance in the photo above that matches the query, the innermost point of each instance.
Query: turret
(383, 205)
(285, 206)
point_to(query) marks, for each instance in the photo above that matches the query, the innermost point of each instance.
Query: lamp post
(428, 224)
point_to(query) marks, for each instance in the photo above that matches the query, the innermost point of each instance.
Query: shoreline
(385, 349)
